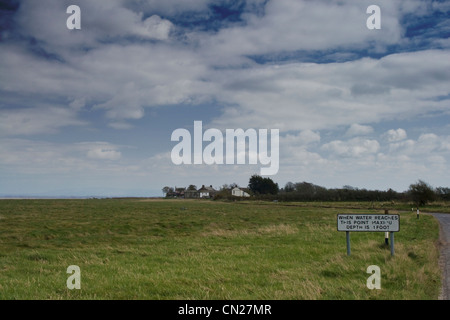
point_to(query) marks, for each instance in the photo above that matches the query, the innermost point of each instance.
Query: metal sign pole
(392, 244)
(347, 233)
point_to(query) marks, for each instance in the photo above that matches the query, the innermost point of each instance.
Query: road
(444, 261)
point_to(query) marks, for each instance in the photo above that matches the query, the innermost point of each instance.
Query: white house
(239, 193)
(206, 192)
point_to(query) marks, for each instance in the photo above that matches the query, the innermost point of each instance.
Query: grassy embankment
(179, 249)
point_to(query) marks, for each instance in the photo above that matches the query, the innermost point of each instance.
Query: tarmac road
(444, 261)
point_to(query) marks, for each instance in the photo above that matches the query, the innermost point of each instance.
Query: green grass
(180, 249)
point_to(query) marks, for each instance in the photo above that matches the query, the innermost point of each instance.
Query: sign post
(368, 223)
(392, 243)
(347, 234)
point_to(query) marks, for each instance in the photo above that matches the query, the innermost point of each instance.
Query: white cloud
(157, 28)
(322, 90)
(300, 96)
(32, 121)
(78, 104)
(356, 147)
(154, 75)
(405, 146)
(290, 25)
(102, 151)
(41, 157)
(303, 138)
(441, 6)
(395, 135)
(291, 96)
(445, 144)
(426, 144)
(358, 130)
(100, 21)
(120, 125)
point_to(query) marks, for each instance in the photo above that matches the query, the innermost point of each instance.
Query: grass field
(181, 249)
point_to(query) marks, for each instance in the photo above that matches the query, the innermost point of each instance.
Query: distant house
(206, 192)
(175, 192)
(179, 192)
(239, 193)
(191, 194)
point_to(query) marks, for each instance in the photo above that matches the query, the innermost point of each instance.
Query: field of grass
(181, 249)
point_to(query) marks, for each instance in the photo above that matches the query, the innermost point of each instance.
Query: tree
(289, 187)
(167, 190)
(192, 187)
(443, 193)
(421, 193)
(260, 185)
(234, 185)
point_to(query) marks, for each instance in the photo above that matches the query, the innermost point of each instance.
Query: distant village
(205, 192)
(260, 188)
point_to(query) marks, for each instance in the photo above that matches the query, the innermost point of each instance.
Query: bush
(421, 193)
(260, 185)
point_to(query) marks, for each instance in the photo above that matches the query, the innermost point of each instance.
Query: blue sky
(90, 112)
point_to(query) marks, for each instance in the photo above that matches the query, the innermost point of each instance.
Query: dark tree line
(305, 191)
(419, 193)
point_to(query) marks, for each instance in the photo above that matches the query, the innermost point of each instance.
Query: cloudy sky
(90, 112)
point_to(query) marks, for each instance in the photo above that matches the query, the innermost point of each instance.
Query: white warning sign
(368, 222)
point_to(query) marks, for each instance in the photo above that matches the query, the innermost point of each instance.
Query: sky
(91, 111)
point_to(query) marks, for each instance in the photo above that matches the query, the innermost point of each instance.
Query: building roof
(210, 188)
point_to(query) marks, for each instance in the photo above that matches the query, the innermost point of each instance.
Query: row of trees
(306, 191)
(419, 193)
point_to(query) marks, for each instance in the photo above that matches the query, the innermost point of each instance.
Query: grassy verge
(135, 249)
